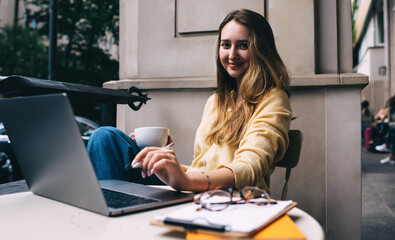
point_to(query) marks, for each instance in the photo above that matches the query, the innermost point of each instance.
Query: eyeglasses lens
(253, 192)
(216, 200)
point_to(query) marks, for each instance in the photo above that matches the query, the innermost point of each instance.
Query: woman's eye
(225, 45)
(243, 45)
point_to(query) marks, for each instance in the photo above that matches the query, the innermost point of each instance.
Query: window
(379, 15)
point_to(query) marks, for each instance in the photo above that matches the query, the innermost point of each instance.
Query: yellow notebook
(283, 228)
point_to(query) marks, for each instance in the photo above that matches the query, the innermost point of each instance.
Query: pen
(170, 145)
(128, 166)
(190, 225)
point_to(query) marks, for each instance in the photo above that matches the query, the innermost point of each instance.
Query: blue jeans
(110, 150)
(390, 140)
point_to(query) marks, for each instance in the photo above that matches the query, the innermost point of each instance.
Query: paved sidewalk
(378, 197)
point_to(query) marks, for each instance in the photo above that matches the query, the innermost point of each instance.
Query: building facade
(8, 9)
(374, 49)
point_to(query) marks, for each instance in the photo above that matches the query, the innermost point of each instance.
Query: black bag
(6, 168)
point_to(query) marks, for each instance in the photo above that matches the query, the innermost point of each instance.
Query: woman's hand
(162, 162)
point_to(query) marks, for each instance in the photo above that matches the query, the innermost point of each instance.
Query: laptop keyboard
(120, 200)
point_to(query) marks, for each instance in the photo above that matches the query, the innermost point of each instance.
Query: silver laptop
(55, 163)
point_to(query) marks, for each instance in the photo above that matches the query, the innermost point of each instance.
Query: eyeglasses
(219, 199)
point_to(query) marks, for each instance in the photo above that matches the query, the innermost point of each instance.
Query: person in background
(390, 159)
(366, 115)
(244, 127)
(382, 119)
(382, 114)
(366, 118)
(389, 143)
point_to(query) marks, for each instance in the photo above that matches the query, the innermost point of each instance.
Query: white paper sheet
(238, 217)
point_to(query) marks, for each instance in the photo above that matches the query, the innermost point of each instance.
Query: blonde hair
(266, 71)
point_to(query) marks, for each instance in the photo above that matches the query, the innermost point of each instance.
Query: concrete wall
(167, 49)
(190, 45)
(326, 183)
(296, 49)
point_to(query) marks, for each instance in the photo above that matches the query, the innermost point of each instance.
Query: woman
(244, 128)
(382, 114)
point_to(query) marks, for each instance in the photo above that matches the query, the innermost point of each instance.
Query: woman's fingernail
(152, 172)
(149, 173)
(136, 165)
(143, 174)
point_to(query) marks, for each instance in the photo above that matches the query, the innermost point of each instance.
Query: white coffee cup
(151, 136)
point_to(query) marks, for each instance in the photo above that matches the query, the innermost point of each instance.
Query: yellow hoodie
(264, 143)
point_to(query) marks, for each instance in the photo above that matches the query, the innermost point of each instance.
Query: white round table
(25, 215)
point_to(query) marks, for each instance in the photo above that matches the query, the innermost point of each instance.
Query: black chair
(291, 157)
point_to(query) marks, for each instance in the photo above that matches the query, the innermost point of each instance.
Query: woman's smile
(235, 65)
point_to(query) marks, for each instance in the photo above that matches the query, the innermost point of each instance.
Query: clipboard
(239, 220)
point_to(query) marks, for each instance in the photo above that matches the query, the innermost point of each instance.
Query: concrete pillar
(293, 26)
